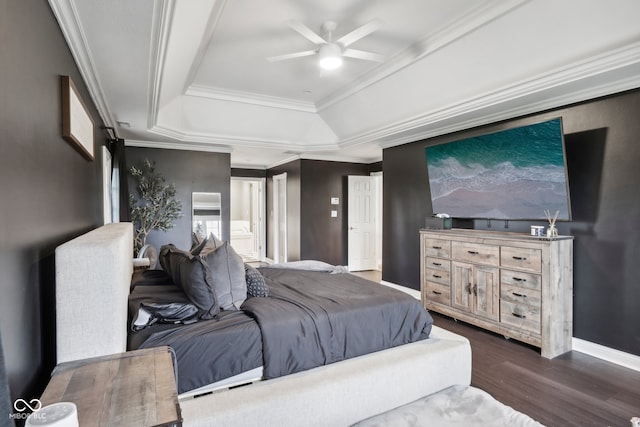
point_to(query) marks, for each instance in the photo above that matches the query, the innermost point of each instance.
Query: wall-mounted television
(514, 174)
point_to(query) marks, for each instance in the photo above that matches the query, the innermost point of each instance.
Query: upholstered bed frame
(93, 275)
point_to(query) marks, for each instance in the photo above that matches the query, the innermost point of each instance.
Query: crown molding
(600, 66)
(340, 158)
(324, 158)
(184, 146)
(163, 11)
(246, 166)
(250, 98)
(240, 141)
(67, 16)
(212, 24)
(282, 162)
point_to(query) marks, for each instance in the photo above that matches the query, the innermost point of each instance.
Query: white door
(362, 223)
(280, 217)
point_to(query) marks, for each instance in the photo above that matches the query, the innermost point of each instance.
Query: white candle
(62, 414)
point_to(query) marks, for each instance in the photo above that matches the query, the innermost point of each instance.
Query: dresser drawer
(435, 292)
(437, 248)
(437, 264)
(519, 295)
(439, 276)
(521, 316)
(475, 253)
(521, 279)
(523, 258)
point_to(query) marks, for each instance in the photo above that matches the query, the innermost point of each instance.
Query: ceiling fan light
(330, 56)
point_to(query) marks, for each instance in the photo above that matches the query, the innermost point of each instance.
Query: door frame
(260, 211)
(280, 218)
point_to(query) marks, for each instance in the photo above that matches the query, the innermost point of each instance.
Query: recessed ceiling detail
(195, 75)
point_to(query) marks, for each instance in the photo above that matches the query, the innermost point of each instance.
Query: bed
(309, 318)
(98, 267)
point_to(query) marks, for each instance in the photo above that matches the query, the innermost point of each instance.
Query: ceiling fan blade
(361, 54)
(306, 32)
(359, 33)
(292, 55)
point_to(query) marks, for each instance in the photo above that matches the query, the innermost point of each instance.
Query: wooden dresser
(513, 284)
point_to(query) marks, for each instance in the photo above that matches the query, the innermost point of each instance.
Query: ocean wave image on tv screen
(513, 174)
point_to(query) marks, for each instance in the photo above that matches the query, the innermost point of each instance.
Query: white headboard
(93, 275)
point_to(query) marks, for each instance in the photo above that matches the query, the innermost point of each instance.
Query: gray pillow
(227, 273)
(206, 245)
(192, 275)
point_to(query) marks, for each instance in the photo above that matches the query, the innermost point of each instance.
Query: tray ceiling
(193, 74)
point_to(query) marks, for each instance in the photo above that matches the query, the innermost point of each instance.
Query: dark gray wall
(603, 155)
(190, 171)
(322, 237)
(49, 192)
(312, 232)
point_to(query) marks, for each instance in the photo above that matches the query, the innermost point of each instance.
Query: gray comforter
(315, 318)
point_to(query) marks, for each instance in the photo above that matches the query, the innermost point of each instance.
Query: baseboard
(618, 357)
(612, 355)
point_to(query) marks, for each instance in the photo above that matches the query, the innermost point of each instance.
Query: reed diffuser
(552, 231)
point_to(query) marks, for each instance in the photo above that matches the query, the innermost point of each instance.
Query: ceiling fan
(329, 51)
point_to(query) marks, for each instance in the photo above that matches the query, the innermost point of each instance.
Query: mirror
(206, 214)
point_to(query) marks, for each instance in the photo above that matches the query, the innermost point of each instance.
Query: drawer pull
(473, 252)
(437, 247)
(468, 288)
(437, 276)
(519, 295)
(437, 292)
(437, 264)
(519, 279)
(519, 258)
(519, 316)
(475, 290)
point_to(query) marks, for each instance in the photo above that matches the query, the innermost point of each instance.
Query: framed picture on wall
(77, 125)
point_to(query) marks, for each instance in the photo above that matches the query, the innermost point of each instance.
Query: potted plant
(154, 208)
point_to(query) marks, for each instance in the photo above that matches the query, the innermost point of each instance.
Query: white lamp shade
(330, 56)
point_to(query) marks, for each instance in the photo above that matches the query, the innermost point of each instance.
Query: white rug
(452, 407)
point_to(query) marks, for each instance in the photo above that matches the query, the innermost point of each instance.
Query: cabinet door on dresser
(461, 278)
(486, 291)
(475, 288)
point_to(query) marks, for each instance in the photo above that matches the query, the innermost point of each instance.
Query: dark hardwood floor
(570, 390)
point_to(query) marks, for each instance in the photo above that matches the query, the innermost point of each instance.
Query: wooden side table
(136, 388)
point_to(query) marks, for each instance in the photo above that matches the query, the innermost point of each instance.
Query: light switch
(334, 214)
(335, 200)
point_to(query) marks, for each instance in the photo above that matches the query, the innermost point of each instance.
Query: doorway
(248, 236)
